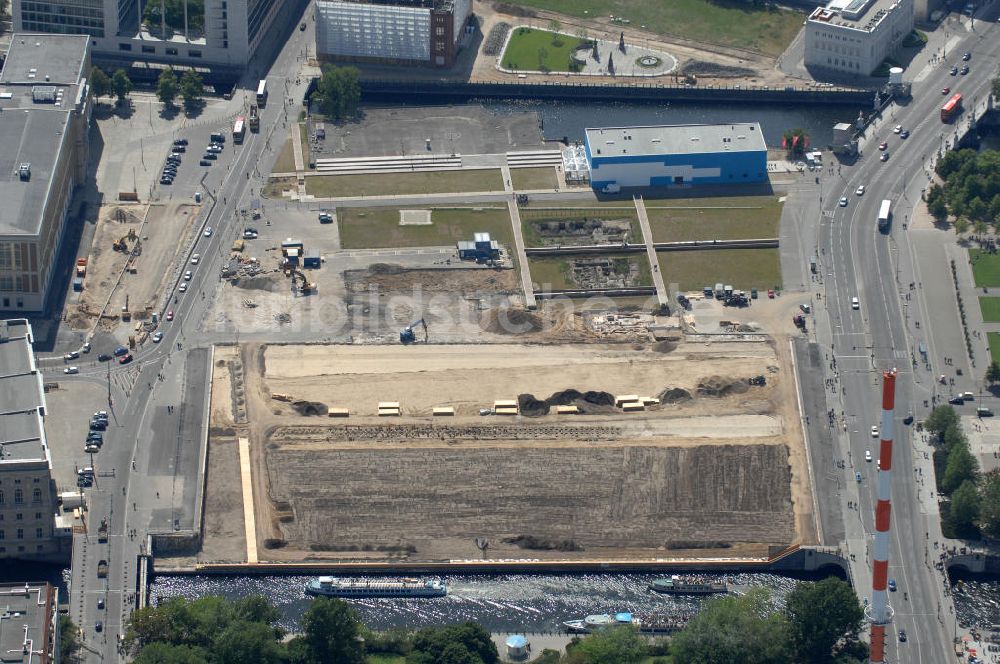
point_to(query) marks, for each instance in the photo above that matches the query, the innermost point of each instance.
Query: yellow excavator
(299, 281)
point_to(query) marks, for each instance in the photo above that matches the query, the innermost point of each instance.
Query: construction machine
(407, 335)
(121, 244)
(299, 281)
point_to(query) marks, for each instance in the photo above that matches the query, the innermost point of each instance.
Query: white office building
(856, 36)
(426, 32)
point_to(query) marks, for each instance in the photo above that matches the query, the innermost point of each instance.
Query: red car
(770, 293)
(883, 145)
(945, 91)
(170, 315)
(125, 359)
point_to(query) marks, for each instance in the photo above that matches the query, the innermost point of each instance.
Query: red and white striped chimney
(880, 612)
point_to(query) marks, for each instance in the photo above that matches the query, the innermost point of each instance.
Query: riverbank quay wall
(790, 561)
(974, 564)
(394, 90)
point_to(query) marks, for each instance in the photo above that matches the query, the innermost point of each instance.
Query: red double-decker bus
(239, 129)
(951, 108)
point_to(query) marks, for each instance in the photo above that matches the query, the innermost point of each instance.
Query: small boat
(599, 621)
(677, 585)
(329, 586)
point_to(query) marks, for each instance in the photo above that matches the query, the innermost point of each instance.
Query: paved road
(857, 345)
(147, 471)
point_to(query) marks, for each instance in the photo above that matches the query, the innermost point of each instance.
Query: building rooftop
(40, 85)
(855, 14)
(675, 139)
(26, 622)
(22, 398)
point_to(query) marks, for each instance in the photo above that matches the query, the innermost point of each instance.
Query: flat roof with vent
(674, 139)
(22, 399)
(35, 114)
(862, 15)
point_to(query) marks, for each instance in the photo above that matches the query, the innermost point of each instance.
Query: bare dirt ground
(712, 475)
(158, 241)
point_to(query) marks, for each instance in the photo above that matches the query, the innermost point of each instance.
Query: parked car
(953, 71)
(966, 56)
(158, 337)
(885, 156)
(956, 400)
(325, 218)
(964, 70)
(103, 357)
(204, 162)
(302, 26)
(249, 235)
(71, 370)
(125, 359)
(214, 147)
(209, 156)
(181, 141)
(86, 347)
(897, 129)
(883, 145)
(904, 134)
(121, 350)
(166, 180)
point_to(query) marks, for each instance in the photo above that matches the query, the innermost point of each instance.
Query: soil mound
(309, 408)
(529, 406)
(665, 347)
(720, 386)
(267, 283)
(538, 544)
(508, 320)
(675, 395)
(385, 268)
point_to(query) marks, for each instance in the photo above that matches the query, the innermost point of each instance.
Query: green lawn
(532, 217)
(555, 274)
(304, 134)
(990, 306)
(736, 218)
(530, 49)
(533, 178)
(985, 267)
(373, 228)
(994, 341)
(433, 182)
(275, 186)
(741, 24)
(742, 269)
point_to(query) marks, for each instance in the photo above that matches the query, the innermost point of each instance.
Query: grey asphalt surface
(857, 260)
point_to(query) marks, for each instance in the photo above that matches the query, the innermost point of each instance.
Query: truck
(254, 118)
(81, 267)
(102, 569)
(102, 531)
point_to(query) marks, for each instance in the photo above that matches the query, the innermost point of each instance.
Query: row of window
(20, 549)
(843, 50)
(20, 516)
(192, 53)
(844, 64)
(39, 533)
(36, 496)
(835, 36)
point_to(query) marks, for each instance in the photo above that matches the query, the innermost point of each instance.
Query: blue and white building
(623, 157)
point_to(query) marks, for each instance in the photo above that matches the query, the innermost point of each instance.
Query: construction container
(338, 412)
(78, 284)
(312, 260)
(505, 403)
(388, 412)
(444, 411)
(505, 410)
(649, 401)
(388, 404)
(632, 407)
(567, 410)
(625, 398)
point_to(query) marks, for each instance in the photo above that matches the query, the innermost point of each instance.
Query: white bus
(262, 93)
(884, 214)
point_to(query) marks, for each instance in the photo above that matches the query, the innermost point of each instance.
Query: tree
(620, 645)
(69, 638)
(192, 89)
(166, 87)
(338, 92)
(821, 615)
(166, 653)
(247, 643)
(121, 86)
(100, 84)
(940, 419)
(330, 631)
(993, 373)
(961, 225)
(965, 506)
(467, 643)
(962, 466)
(735, 629)
(979, 226)
(953, 436)
(795, 141)
(989, 505)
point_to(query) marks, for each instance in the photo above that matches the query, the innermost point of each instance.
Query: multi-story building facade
(28, 500)
(855, 36)
(426, 32)
(44, 122)
(216, 37)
